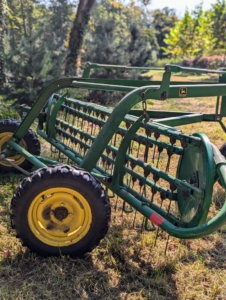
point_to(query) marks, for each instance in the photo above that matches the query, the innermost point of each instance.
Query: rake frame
(164, 122)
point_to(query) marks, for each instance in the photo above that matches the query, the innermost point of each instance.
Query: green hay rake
(143, 161)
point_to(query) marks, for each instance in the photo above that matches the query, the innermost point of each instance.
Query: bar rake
(93, 152)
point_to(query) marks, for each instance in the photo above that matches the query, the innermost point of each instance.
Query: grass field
(125, 265)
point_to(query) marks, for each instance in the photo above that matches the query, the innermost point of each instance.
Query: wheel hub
(60, 213)
(11, 153)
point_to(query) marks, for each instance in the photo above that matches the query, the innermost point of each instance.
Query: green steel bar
(176, 69)
(121, 154)
(36, 162)
(105, 87)
(152, 114)
(175, 149)
(140, 83)
(196, 91)
(119, 164)
(175, 221)
(182, 120)
(220, 165)
(110, 128)
(49, 106)
(170, 131)
(163, 92)
(89, 66)
(71, 154)
(157, 114)
(119, 168)
(115, 119)
(183, 233)
(142, 138)
(159, 93)
(47, 161)
(40, 103)
(196, 192)
(168, 67)
(50, 130)
(85, 115)
(222, 112)
(122, 67)
(74, 157)
(168, 193)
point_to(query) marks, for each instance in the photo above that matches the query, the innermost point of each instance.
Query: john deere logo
(183, 92)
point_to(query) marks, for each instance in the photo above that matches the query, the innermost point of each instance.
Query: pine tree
(163, 20)
(2, 42)
(118, 35)
(36, 47)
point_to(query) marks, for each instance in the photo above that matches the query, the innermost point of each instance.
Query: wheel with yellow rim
(29, 142)
(60, 210)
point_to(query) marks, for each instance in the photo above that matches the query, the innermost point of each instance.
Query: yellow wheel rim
(59, 217)
(17, 159)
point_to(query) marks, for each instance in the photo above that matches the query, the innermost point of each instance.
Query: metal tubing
(220, 165)
(105, 87)
(183, 233)
(181, 120)
(176, 68)
(36, 162)
(39, 104)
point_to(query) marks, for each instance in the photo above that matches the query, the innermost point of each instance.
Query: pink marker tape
(156, 219)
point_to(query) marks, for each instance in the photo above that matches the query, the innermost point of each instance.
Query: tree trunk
(2, 45)
(77, 34)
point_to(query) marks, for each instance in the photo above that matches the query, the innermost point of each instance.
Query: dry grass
(125, 265)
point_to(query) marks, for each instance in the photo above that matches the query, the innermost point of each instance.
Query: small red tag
(156, 219)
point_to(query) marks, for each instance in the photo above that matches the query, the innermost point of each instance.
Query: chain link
(144, 103)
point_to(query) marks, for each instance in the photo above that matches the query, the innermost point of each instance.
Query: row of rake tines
(78, 125)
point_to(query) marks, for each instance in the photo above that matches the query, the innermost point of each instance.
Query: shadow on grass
(117, 269)
(106, 273)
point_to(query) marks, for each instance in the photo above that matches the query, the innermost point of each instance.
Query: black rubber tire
(30, 139)
(223, 152)
(61, 177)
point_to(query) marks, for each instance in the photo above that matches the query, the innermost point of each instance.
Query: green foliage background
(34, 40)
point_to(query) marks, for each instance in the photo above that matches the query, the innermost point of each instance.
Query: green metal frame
(164, 121)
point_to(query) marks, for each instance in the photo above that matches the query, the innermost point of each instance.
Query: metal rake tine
(116, 202)
(153, 157)
(166, 244)
(156, 237)
(134, 219)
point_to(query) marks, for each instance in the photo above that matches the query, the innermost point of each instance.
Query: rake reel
(137, 155)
